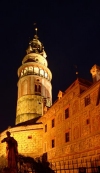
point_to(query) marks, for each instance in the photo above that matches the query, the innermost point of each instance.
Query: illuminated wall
(72, 124)
(29, 140)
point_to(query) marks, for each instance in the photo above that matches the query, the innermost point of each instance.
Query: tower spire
(36, 29)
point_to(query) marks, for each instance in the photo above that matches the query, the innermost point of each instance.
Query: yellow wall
(29, 140)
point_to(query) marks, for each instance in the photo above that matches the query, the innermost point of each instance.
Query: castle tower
(34, 84)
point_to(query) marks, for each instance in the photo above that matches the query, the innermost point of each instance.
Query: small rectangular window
(66, 113)
(36, 88)
(30, 137)
(45, 127)
(87, 121)
(67, 137)
(53, 123)
(87, 100)
(53, 143)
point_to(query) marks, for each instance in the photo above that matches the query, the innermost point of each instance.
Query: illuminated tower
(34, 84)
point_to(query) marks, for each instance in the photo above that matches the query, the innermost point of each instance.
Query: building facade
(72, 125)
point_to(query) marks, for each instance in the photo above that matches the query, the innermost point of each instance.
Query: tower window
(37, 88)
(53, 123)
(66, 113)
(53, 143)
(36, 70)
(46, 75)
(41, 72)
(87, 100)
(67, 137)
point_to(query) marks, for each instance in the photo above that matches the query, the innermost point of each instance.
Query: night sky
(70, 32)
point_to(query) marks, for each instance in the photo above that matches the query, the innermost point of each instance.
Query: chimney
(95, 71)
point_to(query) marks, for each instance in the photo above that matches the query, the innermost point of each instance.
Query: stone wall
(29, 140)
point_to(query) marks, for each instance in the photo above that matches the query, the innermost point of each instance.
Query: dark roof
(85, 82)
(29, 122)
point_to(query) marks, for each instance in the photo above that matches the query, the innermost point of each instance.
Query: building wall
(83, 126)
(29, 138)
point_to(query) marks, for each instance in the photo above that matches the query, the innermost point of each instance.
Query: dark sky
(70, 32)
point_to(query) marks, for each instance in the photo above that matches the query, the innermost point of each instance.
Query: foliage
(33, 165)
(28, 164)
